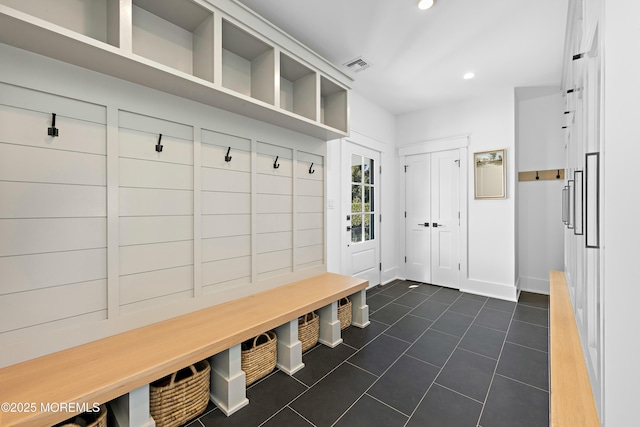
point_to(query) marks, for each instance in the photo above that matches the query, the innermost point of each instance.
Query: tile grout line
(522, 382)
(486, 396)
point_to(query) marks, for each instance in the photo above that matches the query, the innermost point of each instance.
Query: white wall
(540, 146)
(490, 124)
(375, 128)
(620, 231)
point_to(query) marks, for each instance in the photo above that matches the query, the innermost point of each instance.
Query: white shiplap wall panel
(28, 127)
(155, 229)
(225, 225)
(31, 236)
(142, 123)
(155, 256)
(269, 203)
(225, 248)
(271, 223)
(310, 237)
(303, 171)
(38, 164)
(24, 309)
(29, 200)
(142, 145)
(227, 285)
(148, 202)
(30, 272)
(272, 184)
(153, 174)
(310, 187)
(270, 242)
(216, 203)
(154, 284)
(271, 261)
(226, 270)
(157, 303)
(225, 140)
(226, 180)
(213, 157)
(310, 220)
(310, 254)
(310, 204)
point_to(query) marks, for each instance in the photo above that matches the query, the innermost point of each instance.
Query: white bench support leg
(330, 325)
(228, 381)
(132, 409)
(289, 348)
(359, 309)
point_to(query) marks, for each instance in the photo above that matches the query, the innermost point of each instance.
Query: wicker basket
(88, 419)
(259, 356)
(183, 395)
(308, 330)
(344, 312)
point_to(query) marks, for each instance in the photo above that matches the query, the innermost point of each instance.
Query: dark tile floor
(431, 357)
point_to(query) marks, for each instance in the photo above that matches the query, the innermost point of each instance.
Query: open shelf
(248, 65)
(98, 19)
(178, 34)
(297, 88)
(333, 105)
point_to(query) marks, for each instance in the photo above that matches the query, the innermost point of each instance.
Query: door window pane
(368, 171)
(356, 168)
(356, 198)
(356, 228)
(369, 225)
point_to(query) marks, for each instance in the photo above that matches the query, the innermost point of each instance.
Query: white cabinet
(217, 53)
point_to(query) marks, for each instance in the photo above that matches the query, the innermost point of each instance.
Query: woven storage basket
(308, 330)
(178, 398)
(344, 312)
(89, 419)
(258, 359)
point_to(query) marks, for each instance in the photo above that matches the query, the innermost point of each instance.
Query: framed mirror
(490, 174)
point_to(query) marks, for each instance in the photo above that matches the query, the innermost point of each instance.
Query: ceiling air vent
(358, 64)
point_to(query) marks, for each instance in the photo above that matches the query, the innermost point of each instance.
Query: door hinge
(457, 162)
(405, 168)
(405, 214)
(380, 168)
(458, 266)
(380, 266)
(380, 217)
(405, 259)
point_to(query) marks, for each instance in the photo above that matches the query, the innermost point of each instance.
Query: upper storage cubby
(215, 52)
(333, 104)
(248, 65)
(298, 88)
(176, 33)
(97, 19)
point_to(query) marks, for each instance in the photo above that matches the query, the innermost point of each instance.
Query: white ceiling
(419, 57)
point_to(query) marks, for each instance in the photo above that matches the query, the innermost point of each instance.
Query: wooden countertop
(108, 368)
(572, 402)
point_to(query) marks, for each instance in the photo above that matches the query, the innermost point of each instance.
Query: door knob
(435, 224)
(348, 228)
(426, 224)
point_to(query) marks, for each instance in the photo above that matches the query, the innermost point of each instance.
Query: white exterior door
(433, 218)
(361, 212)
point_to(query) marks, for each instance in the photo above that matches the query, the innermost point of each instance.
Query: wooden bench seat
(572, 401)
(103, 370)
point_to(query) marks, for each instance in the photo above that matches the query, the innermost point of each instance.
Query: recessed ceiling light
(425, 4)
(469, 76)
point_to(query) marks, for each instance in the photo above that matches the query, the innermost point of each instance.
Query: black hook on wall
(53, 130)
(310, 167)
(227, 158)
(159, 144)
(537, 176)
(558, 174)
(275, 163)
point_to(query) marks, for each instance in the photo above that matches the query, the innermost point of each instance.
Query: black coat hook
(53, 130)
(578, 56)
(558, 174)
(227, 158)
(275, 163)
(310, 167)
(537, 176)
(159, 144)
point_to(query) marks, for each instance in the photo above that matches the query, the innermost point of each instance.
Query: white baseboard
(489, 289)
(532, 284)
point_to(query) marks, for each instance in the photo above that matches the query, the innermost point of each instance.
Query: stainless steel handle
(435, 224)
(426, 224)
